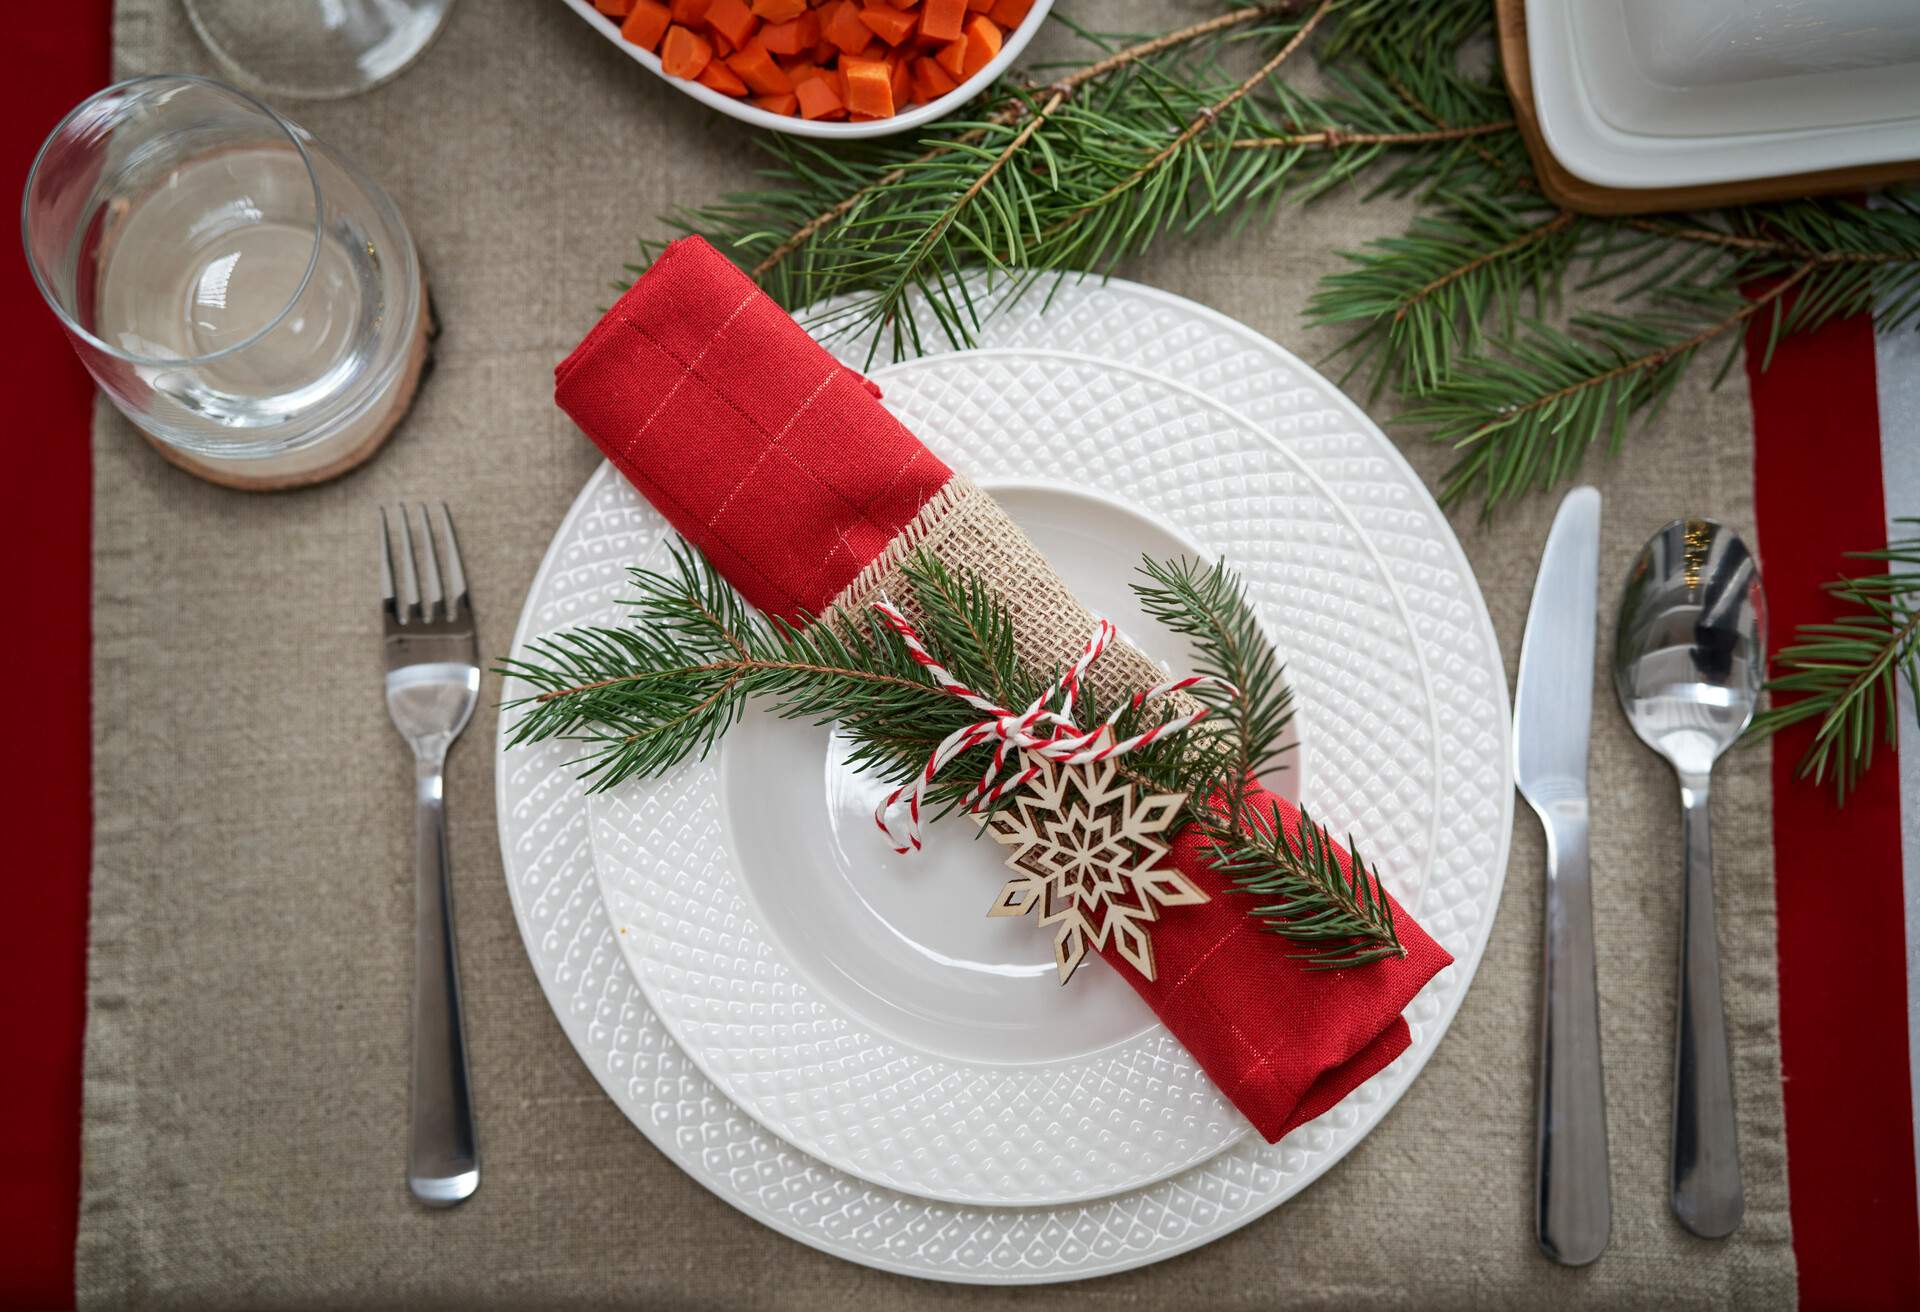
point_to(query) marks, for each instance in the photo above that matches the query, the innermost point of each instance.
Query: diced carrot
(817, 99)
(890, 25)
(787, 104)
(869, 87)
(903, 4)
(779, 11)
(721, 46)
(940, 19)
(684, 53)
(826, 52)
(902, 77)
(953, 58)
(690, 13)
(613, 8)
(733, 20)
(757, 69)
(979, 6)
(718, 77)
(983, 43)
(843, 27)
(1010, 13)
(932, 79)
(646, 23)
(790, 38)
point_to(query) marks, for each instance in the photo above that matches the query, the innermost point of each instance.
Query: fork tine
(431, 595)
(456, 573)
(386, 565)
(409, 581)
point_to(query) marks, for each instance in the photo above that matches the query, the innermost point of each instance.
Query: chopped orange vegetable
(890, 25)
(757, 69)
(979, 6)
(613, 8)
(931, 79)
(817, 99)
(790, 38)
(646, 23)
(902, 77)
(869, 87)
(1010, 13)
(802, 72)
(719, 77)
(843, 27)
(732, 20)
(690, 13)
(789, 104)
(953, 58)
(779, 11)
(940, 19)
(684, 53)
(983, 43)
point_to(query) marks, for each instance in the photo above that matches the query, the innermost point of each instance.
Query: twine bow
(1044, 728)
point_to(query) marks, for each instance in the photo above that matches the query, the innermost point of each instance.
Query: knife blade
(1552, 719)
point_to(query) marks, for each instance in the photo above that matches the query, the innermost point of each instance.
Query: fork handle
(1707, 1197)
(443, 1159)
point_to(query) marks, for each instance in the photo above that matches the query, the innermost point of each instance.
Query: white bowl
(1010, 49)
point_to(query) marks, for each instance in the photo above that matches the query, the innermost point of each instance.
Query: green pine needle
(1846, 673)
(1342, 919)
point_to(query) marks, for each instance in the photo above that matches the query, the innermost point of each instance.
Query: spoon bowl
(1690, 651)
(1689, 661)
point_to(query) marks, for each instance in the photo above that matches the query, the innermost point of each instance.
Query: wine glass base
(315, 50)
(341, 453)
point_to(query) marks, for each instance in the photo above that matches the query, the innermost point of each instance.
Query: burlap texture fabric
(966, 530)
(251, 944)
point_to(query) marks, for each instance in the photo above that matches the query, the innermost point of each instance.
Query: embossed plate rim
(897, 1232)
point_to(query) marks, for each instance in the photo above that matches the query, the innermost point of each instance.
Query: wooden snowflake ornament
(1087, 853)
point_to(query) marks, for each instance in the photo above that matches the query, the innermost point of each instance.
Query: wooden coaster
(1575, 193)
(337, 455)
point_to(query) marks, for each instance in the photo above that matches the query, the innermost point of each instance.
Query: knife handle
(1575, 1208)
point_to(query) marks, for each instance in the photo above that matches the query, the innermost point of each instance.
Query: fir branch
(1846, 673)
(1209, 606)
(1425, 297)
(1342, 918)
(1525, 417)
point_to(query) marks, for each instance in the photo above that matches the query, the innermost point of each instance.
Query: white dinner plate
(1375, 570)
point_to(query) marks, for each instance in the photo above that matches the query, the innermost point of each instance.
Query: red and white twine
(1044, 729)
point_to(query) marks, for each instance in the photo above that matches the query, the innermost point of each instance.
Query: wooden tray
(1575, 193)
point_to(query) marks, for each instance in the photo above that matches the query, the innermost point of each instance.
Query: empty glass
(318, 49)
(244, 294)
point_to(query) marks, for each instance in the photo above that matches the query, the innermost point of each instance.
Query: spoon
(1689, 659)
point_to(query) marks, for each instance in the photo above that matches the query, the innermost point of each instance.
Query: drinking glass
(317, 49)
(245, 295)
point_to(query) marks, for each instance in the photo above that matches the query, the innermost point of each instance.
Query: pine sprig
(1847, 673)
(1208, 605)
(1342, 918)
(646, 697)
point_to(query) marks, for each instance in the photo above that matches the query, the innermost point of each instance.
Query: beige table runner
(252, 884)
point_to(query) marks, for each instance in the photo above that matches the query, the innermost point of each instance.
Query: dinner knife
(1552, 713)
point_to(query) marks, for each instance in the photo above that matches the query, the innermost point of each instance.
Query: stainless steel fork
(433, 680)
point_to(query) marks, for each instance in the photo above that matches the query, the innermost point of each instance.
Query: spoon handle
(1707, 1197)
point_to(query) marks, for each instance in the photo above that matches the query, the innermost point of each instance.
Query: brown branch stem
(1652, 359)
(1525, 239)
(1334, 138)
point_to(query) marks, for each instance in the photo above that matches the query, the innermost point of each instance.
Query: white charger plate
(1457, 780)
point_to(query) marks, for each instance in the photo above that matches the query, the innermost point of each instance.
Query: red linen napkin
(781, 465)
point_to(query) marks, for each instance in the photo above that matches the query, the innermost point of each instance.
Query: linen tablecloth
(252, 884)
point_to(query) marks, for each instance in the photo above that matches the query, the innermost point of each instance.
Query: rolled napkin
(783, 467)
